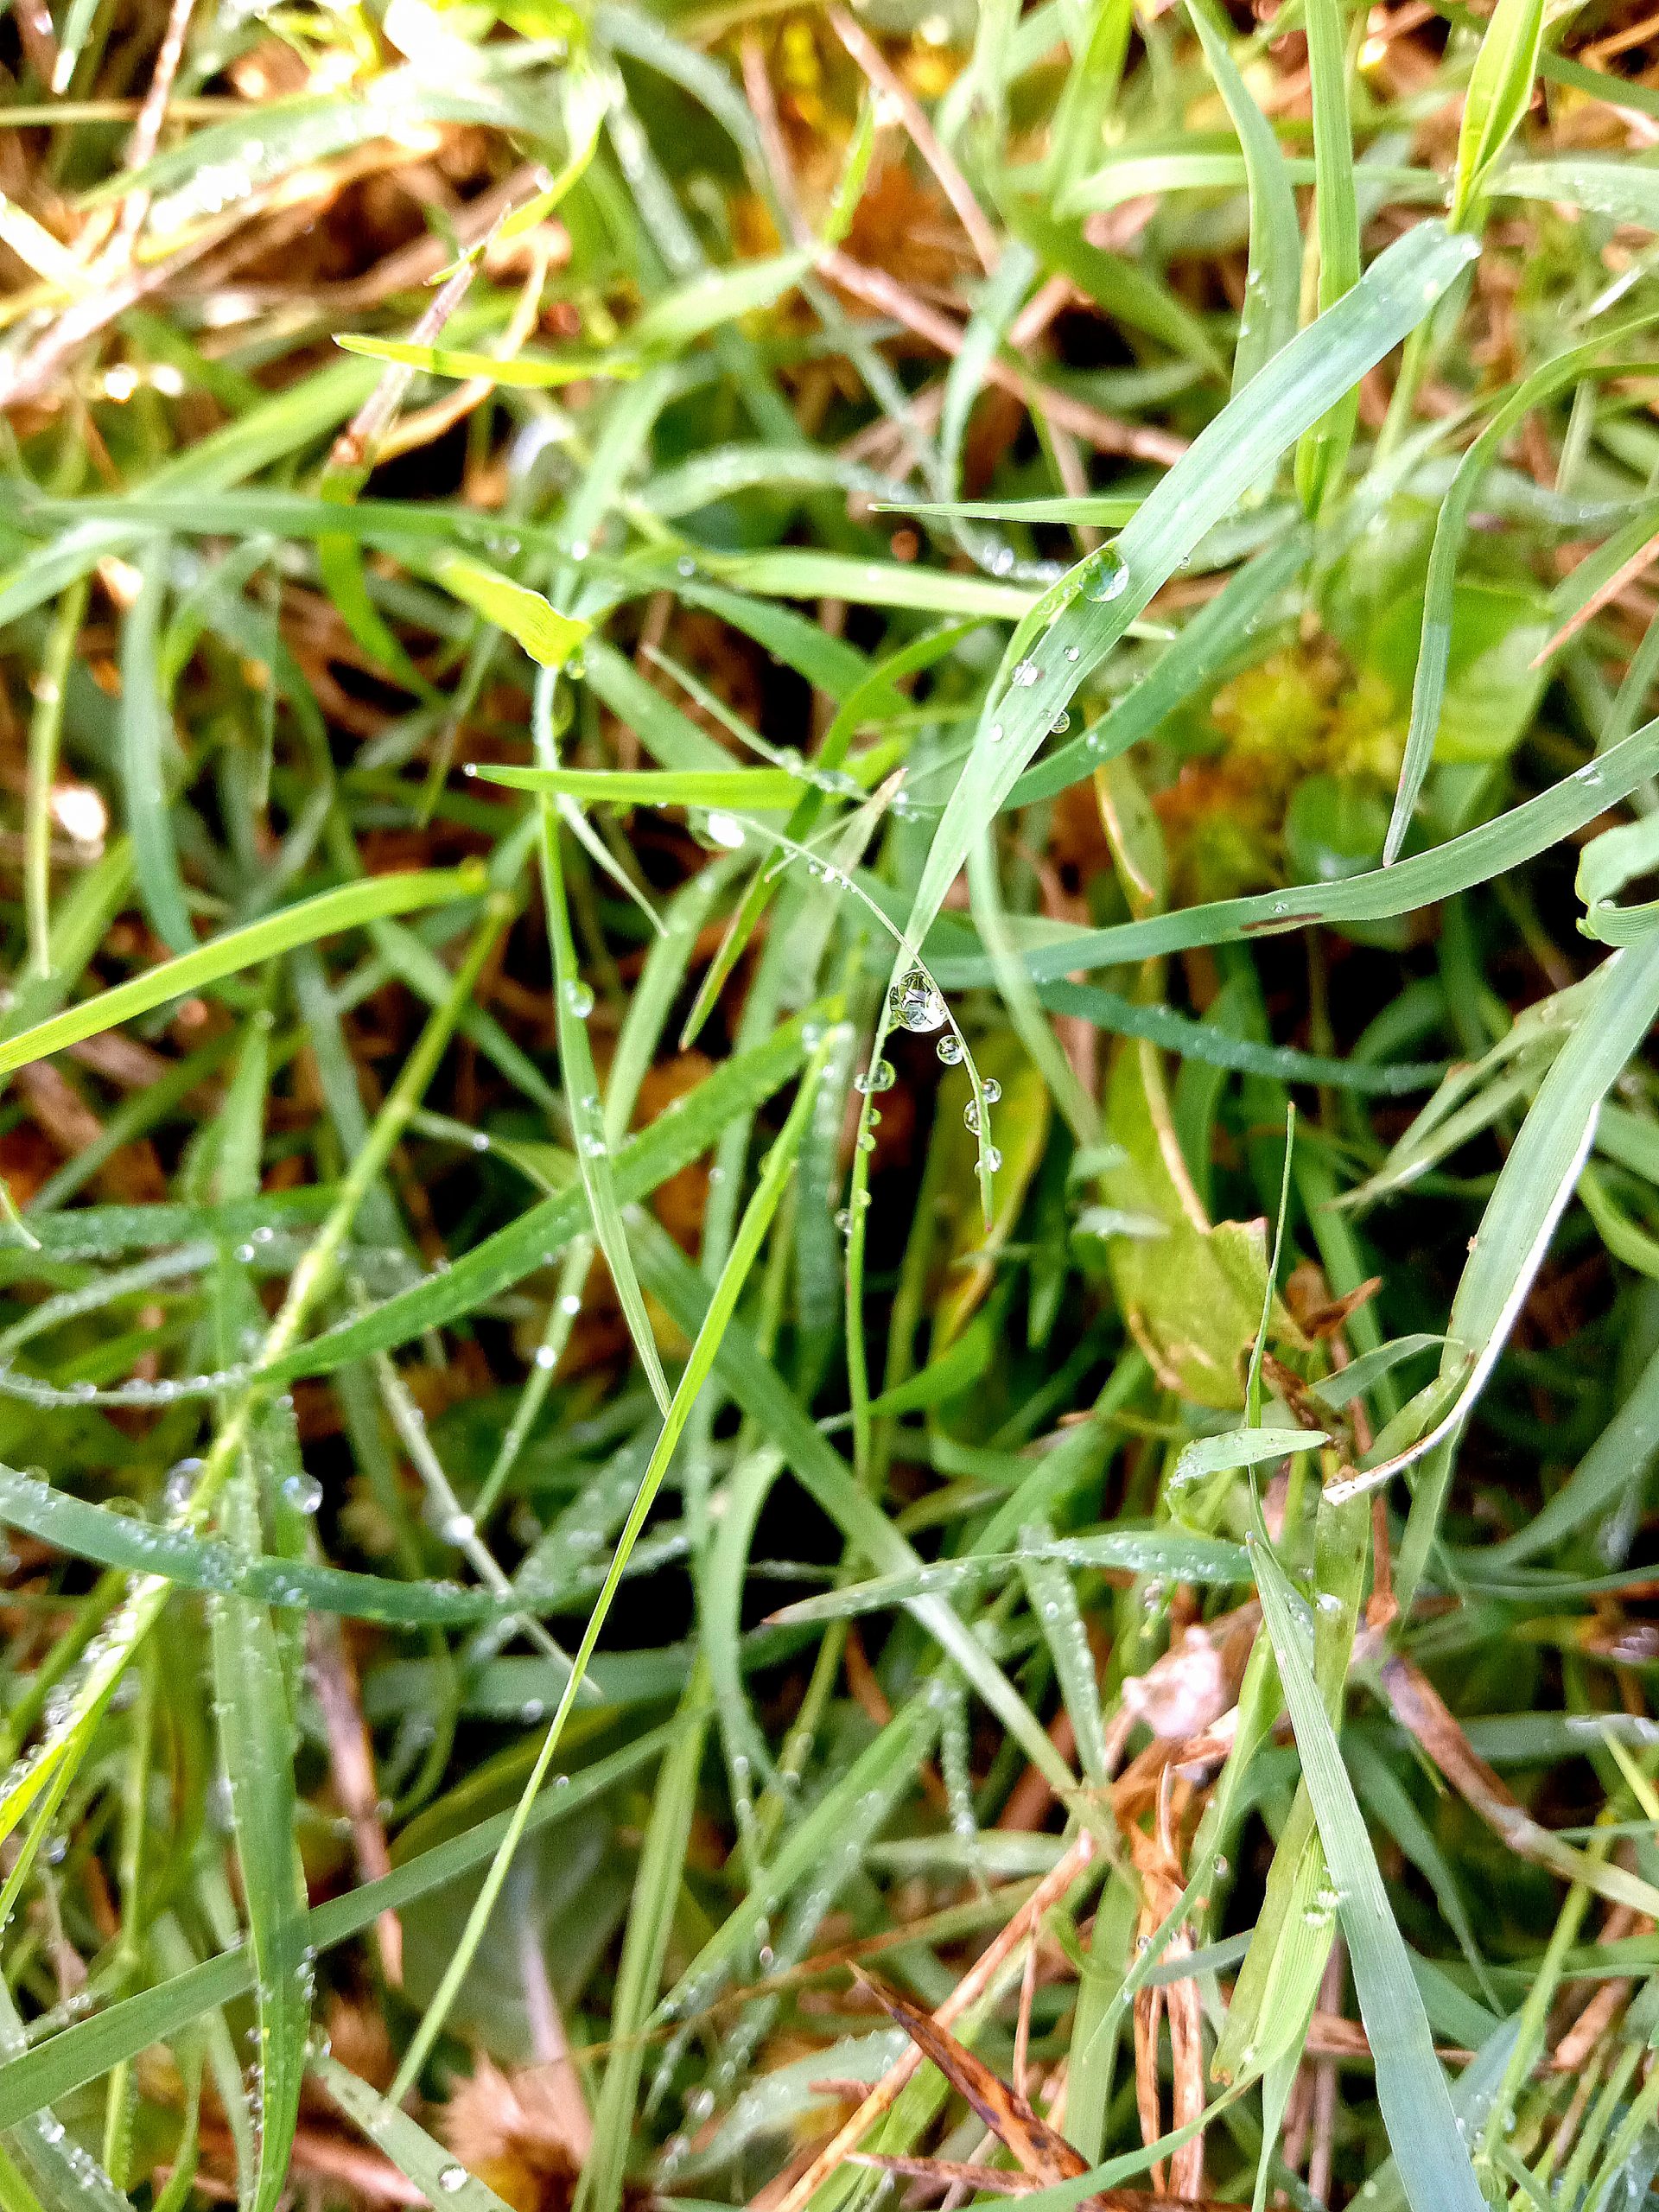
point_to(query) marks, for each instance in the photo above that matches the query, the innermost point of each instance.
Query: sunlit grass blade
(326, 915)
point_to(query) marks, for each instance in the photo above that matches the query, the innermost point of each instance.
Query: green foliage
(828, 1087)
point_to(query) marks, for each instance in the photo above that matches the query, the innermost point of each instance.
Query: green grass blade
(1429, 2148)
(440, 2177)
(326, 915)
(256, 1741)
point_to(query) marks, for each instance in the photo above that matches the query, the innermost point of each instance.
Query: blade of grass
(1429, 2147)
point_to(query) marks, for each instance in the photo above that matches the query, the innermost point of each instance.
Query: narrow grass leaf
(1429, 2151)
(256, 1732)
(326, 915)
(440, 2178)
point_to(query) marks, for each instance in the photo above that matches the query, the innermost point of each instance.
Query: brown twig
(1639, 563)
(1102, 431)
(951, 182)
(147, 130)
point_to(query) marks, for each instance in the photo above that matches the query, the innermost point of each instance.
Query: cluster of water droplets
(165, 1391)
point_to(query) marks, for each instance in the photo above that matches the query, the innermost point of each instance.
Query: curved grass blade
(1434, 653)
(1220, 628)
(756, 788)
(1534, 1189)
(573, 1003)
(326, 915)
(524, 371)
(661, 1149)
(1111, 588)
(1477, 856)
(193, 1563)
(147, 742)
(1176, 1554)
(644, 1948)
(1499, 94)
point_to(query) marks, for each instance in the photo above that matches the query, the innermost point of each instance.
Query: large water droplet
(876, 1078)
(578, 999)
(302, 1491)
(1107, 575)
(915, 1004)
(949, 1049)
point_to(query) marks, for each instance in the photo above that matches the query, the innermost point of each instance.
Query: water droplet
(1106, 575)
(1024, 676)
(992, 1158)
(949, 1049)
(725, 830)
(915, 1004)
(991, 1089)
(685, 565)
(578, 999)
(997, 733)
(451, 2178)
(180, 1481)
(302, 1491)
(880, 1076)
(570, 1304)
(546, 1357)
(1061, 723)
(1074, 653)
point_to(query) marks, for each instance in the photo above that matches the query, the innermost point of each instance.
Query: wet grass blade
(257, 1740)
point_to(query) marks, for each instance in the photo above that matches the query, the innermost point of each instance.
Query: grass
(827, 1122)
